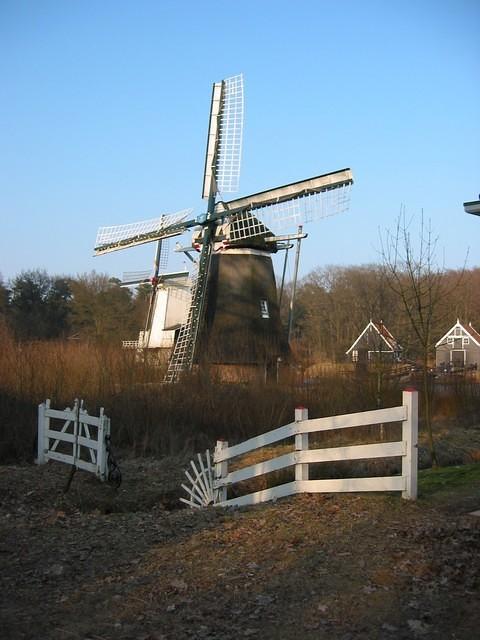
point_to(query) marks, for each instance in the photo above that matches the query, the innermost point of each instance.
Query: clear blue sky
(104, 114)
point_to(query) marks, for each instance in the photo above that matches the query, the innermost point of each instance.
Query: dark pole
(294, 285)
(151, 306)
(283, 276)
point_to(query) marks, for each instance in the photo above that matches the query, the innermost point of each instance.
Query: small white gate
(74, 437)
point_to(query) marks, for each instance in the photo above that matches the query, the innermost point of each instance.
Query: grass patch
(447, 479)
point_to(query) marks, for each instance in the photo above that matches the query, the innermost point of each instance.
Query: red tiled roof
(383, 331)
(475, 335)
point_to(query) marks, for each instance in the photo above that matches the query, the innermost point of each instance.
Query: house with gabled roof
(459, 347)
(375, 343)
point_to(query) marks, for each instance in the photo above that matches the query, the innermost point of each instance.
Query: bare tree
(412, 272)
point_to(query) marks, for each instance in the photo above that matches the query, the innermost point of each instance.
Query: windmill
(166, 302)
(242, 228)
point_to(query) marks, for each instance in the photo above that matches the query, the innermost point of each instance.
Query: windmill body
(170, 307)
(233, 315)
(168, 304)
(242, 317)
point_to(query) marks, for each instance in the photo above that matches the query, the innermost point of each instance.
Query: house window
(466, 341)
(450, 340)
(458, 331)
(264, 309)
(354, 356)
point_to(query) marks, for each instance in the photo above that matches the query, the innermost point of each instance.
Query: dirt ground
(99, 563)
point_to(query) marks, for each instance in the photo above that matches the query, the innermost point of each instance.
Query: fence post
(410, 437)
(41, 435)
(101, 446)
(301, 444)
(221, 470)
(76, 430)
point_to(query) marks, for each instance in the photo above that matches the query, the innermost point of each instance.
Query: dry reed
(151, 418)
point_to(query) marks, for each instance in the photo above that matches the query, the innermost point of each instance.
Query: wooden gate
(74, 437)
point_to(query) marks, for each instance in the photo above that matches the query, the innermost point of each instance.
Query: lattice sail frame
(111, 238)
(230, 135)
(164, 253)
(276, 217)
(136, 276)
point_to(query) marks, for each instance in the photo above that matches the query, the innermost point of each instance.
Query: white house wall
(158, 336)
(177, 305)
(169, 313)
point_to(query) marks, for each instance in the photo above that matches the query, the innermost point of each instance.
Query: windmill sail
(141, 277)
(124, 236)
(227, 169)
(293, 204)
(225, 132)
(130, 278)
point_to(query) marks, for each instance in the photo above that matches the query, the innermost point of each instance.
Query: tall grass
(149, 417)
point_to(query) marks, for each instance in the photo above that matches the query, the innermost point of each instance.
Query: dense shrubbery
(94, 307)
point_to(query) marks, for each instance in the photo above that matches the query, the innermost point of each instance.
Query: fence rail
(81, 441)
(302, 457)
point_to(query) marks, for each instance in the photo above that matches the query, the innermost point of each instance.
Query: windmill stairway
(184, 349)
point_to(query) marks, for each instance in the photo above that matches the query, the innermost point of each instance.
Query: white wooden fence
(406, 448)
(73, 437)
